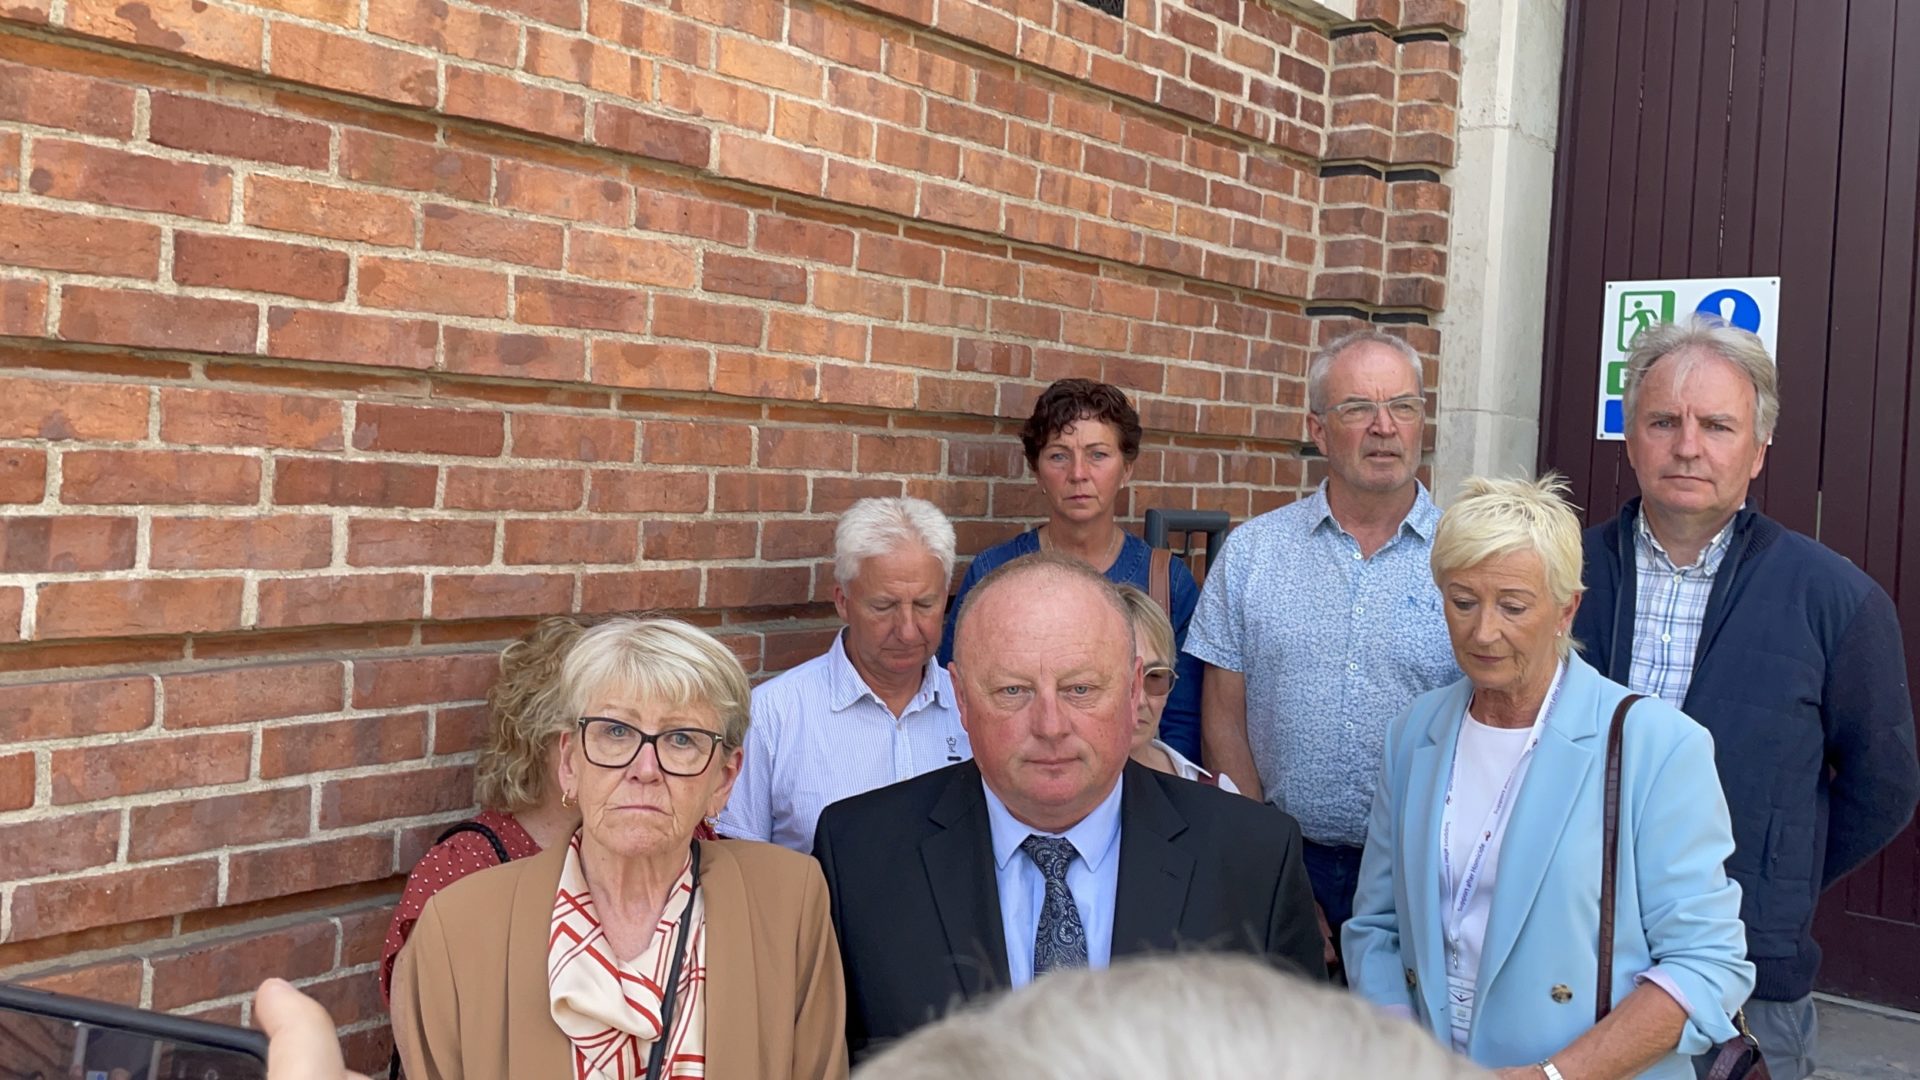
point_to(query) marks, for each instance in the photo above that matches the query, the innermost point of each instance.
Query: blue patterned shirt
(820, 735)
(1670, 604)
(1333, 647)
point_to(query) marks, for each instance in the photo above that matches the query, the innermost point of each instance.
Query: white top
(1489, 767)
(820, 734)
(1187, 770)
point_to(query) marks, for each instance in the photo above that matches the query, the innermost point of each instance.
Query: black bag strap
(493, 838)
(1610, 856)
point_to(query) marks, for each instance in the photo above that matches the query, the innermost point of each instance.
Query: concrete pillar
(1492, 329)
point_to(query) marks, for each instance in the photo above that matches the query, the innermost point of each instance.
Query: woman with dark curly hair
(1081, 442)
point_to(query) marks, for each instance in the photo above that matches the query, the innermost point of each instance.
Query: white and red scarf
(610, 1011)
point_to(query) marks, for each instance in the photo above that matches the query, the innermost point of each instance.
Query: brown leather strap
(1610, 856)
(1160, 579)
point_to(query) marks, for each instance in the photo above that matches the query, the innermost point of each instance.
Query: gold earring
(566, 799)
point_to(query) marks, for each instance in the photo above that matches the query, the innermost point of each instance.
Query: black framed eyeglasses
(614, 744)
(1160, 679)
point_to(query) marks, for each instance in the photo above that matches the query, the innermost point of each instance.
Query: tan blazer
(470, 988)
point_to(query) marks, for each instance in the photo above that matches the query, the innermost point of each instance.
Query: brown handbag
(1736, 1059)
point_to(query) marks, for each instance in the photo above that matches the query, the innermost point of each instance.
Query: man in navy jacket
(1789, 654)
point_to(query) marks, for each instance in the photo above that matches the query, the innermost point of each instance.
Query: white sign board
(1751, 303)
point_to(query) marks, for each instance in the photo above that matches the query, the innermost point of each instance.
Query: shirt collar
(1096, 837)
(1422, 518)
(845, 686)
(1710, 556)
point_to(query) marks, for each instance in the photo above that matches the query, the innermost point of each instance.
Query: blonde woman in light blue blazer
(1478, 908)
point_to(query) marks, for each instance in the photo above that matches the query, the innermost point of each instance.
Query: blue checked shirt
(1670, 604)
(1333, 647)
(820, 735)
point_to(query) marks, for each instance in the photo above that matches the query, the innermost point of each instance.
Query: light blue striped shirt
(1333, 647)
(819, 735)
(1093, 879)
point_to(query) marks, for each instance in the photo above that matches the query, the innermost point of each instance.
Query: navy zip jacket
(1802, 679)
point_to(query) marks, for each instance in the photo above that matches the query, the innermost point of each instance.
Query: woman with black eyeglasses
(1153, 644)
(633, 950)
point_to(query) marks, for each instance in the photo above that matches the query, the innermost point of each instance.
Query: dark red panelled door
(1733, 138)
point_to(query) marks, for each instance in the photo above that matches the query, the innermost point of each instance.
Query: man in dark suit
(1049, 849)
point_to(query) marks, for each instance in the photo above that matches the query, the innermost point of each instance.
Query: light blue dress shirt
(1093, 878)
(819, 735)
(1333, 646)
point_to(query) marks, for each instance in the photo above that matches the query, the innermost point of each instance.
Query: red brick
(540, 542)
(9, 161)
(667, 442)
(330, 482)
(701, 540)
(344, 600)
(154, 321)
(520, 356)
(759, 162)
(127, 608)
(57, 409)
(400, 542)
(344, 337)
(847, 384)
(513, 489)
(212, 127)
(16, 781)
(448, 28)
(324, 864)
(582, 61)
(342, 744)
(229, 262)
(402, 163)
(572, 438)
(548, 302)
(758, 376)
(641, 590)
(849, 89)
(491, 237)
(723, 100)
(492, 596)
(392, 795)
(807, 335)
(83, 243)
(23, 476)
(643, 261)
(423, 680)
(759, 492)
(65, 709)
(650, 136)
(225, 967)
(411, 285)
(698, 320)
(803, 448)
(504, 100)
(307, 55)
(118, 898)
(192, 826)
(158, 477)
(60, 845)
(226, 418)
(640, 491)
(57, 99)
(181, 27)
(249, 694)
(835, 291)
(757, 586)
(320, 210)
(135, 767)
(66, 545)
(23, 308)
(560, 193)
(95, 174)
(403, 429)
(664, 211)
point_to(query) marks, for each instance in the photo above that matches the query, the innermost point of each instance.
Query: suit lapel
(1420, 841)
(1542, 812)
(1154, 873)
(535, 1044)
(959, 864)
(731, 977)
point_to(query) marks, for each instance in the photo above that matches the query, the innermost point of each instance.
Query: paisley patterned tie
(1060, 941)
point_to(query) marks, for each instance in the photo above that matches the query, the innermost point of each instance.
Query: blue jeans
(1787, 1031)
(1335, 873)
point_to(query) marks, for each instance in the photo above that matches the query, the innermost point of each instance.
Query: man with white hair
(874, 708)
(1788, 653)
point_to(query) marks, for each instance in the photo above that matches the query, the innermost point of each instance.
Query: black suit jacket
(917, 908)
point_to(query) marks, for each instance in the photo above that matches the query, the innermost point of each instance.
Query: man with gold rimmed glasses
(1319, 622)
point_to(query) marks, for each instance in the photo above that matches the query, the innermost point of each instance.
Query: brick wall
(340, 338)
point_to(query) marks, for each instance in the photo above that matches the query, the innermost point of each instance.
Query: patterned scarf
(609, 1010)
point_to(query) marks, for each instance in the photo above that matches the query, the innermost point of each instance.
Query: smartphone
(47, 1036)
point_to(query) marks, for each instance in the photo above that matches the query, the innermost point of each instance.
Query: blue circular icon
(1733, 306)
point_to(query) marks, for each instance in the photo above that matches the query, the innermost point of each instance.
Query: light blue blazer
(1675, 906)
